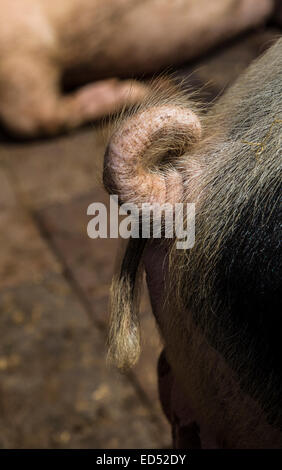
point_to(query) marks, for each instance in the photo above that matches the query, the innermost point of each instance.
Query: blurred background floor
(55, 388)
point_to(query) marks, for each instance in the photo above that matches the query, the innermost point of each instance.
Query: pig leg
(31, 102)
(97, 99)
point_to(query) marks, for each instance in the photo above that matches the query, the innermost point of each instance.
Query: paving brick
(89, 261)
(24, 255)
(58, 169)
(7, 195)
(91, 264)
(55, 390)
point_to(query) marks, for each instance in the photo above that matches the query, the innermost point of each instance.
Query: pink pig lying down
(217, 304)
(42, 41)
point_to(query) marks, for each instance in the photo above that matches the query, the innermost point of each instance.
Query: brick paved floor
(55, 388)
